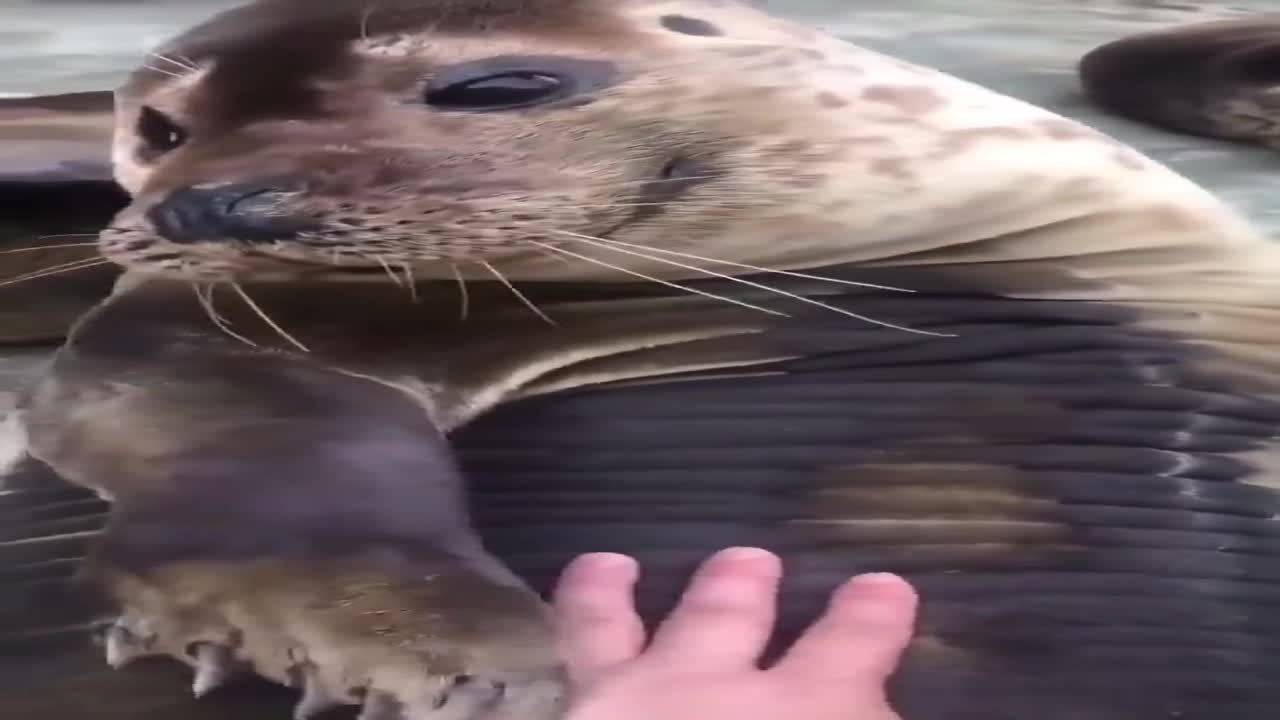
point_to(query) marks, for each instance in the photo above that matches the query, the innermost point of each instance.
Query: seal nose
(248, 212)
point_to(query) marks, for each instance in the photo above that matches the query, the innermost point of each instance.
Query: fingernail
(881, 586)
(603, 562)
(879, 579)
(605, 559)
(743, 554)
(737, 560)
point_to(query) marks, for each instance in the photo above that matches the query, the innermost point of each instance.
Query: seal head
(1215, 79)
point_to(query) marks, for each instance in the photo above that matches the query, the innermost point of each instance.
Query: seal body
(1215, 79)
(420, 299)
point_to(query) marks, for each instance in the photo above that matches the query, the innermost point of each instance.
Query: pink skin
(702, 662)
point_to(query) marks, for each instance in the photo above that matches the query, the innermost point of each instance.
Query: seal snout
(246, 212)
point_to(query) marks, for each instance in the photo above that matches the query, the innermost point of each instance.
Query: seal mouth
(676, 178)
(303, 268)
(679, 175)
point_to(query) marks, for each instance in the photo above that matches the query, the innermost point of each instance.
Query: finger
(726, 615)
(860, 637)
(596, 616)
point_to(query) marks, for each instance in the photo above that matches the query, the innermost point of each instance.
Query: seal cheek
(245, 212)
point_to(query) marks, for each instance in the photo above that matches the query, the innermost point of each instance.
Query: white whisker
(72, 266)
(394, 278)
(608, 206)
(854, 283)
(464, 297)
(411, 281)
(528, 303)
(47, 247)
(189, 68)
(784, 293)
(68, 235)
(677, 286)
(651, 181)
(162, 72)
(365, 17)
(557, 258)
(267, 318)
(206, 301)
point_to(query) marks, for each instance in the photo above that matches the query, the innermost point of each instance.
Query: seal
(728, 280)
(1213, 79)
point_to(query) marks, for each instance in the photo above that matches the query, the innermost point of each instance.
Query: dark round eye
(501, 91)
(160, 133)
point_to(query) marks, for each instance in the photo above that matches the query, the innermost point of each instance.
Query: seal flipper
(274, 515)
(56, 192)
(1215, 79)
(49, 664)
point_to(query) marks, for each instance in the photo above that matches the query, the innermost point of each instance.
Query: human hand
(703, 661)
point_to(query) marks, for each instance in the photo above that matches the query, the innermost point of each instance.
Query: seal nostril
(233, 212)
(242, 203)
(680, 171)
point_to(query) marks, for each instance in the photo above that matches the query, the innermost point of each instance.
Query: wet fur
(1215, 79)
(1079, 476)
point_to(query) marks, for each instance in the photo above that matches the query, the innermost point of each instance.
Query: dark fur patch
(1068, 522)
(269, 54)
(690, 25)
(1181, 79)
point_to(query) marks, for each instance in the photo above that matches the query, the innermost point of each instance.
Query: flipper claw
(215, 665)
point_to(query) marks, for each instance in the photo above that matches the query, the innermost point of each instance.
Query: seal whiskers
(395, 279)
(38, 248)
(464, 297)
(68, 267)
(678, 286)
(205, 298)
(605, 244)
(162, 71)
(745, 266)
(514, 291)
(410, 281)
(189, 66)
(267, 318)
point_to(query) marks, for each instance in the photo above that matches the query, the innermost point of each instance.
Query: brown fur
(1215, 79)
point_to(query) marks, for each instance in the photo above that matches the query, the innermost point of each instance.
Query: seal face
(1215, 79)
(436, 150)
(402, 139)
(801, 295)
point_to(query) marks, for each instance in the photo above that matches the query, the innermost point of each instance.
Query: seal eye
(501, 91)
(161, 134)
(510, 82)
